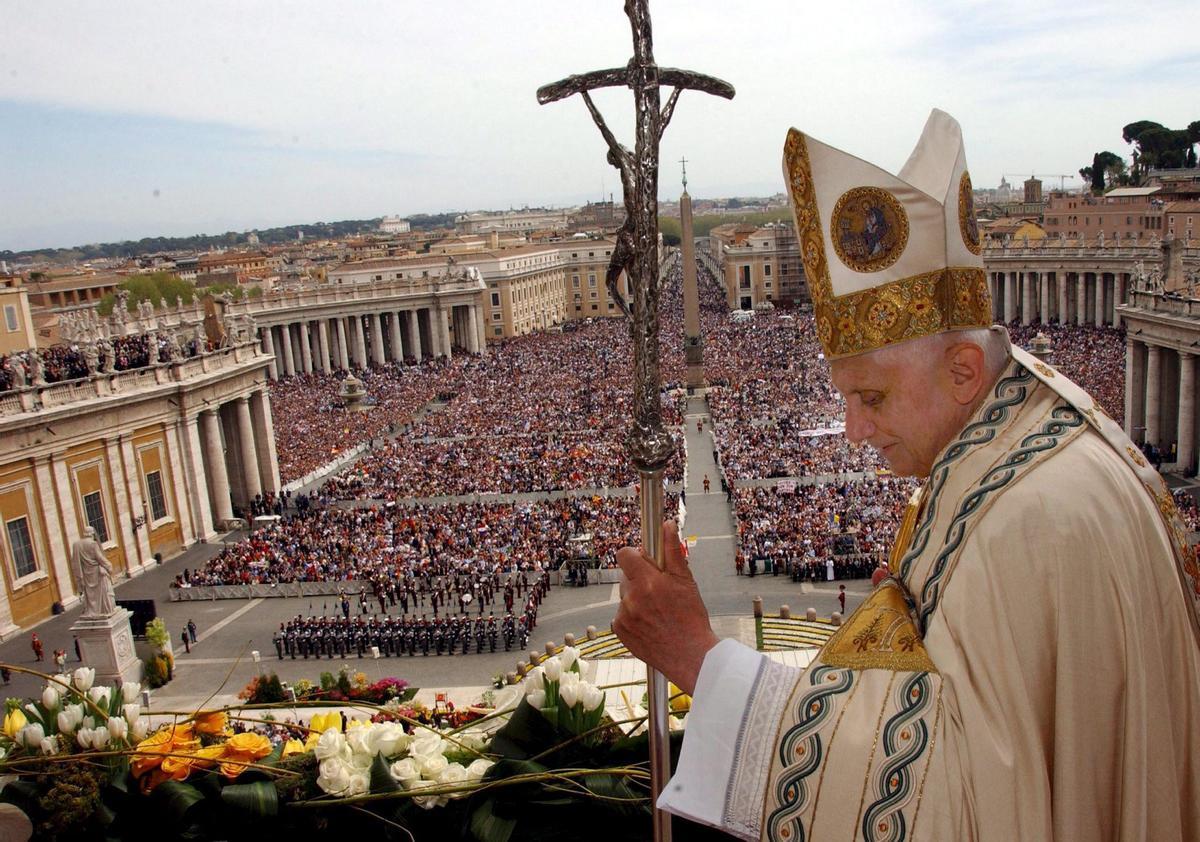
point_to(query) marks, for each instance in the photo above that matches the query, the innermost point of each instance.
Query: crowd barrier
(281, 589)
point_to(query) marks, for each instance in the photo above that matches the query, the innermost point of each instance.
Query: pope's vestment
(1032, 672)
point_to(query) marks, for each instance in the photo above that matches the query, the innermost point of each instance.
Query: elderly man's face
(902, 409)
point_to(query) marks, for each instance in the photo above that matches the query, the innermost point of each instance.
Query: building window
(592, 281)
(158, 500)
(497, 332)
(93, 513)
(575, 281)
(21, 545)
(767, 269)
(593, 295)
(495, 299)
(495, 317)
(10, 317)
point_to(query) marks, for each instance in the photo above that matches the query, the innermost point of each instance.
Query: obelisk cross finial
(683, 163)
(636, 253)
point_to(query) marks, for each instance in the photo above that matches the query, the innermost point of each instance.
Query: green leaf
(177, 798)
(381, 776)
(526, 734)
(258, 799)
(486, 826)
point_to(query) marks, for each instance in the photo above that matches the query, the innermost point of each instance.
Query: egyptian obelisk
(693, 343)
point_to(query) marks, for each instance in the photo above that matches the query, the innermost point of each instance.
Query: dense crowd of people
(60, 363)
(1094, 357)
(422, 546)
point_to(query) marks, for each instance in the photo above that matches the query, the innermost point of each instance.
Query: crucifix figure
(636, 253)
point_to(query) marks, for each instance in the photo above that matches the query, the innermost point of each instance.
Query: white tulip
(49, 746)
(554, 669)
(60, 683)
(334, 776)
(32, 708)
(432, 765)
(87, 722)
(478, 769)
(332, 745)
(130, 691)
(568, 656)
(587, 669)
(99, 696)
(117, 727)
(100, 737)
(83, 679)
(139, 729)
(66, 722)
(50, 698)
(406, 771)
(591, 696)
(75, 711)
(537, 699)
(534, 680)
(32, 735)
(568, 694)
(131, 712)
(84, 737)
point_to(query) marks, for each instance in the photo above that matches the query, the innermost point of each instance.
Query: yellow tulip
(680, 702)
(13, 723)
(322, 722)
(293, 747)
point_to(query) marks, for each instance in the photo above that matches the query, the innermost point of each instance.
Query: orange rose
(149, 752)
(251, 744)
(210, 722)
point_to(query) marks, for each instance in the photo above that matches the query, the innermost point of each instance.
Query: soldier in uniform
(277, 639)
(423, 636)
(491, 631)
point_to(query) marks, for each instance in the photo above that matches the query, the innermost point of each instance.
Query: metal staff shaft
(657, 686)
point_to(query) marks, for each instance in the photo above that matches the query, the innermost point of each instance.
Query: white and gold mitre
(888, 258)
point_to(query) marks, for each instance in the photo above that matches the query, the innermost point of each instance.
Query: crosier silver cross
(636, 253)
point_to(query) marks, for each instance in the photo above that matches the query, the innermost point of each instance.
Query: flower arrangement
(544, 762)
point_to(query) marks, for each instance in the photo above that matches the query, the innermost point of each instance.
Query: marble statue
(105, 348)
(17, 369)
(37, 369)
(93, 572)
(91, 357)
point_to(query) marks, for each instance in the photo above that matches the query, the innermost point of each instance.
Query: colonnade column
(343, 358)
(414, 335)
(250, 479)
(269, 348)
(394, 334)
(1060, 284)
(193, 476)
(264, 437)
(993, 294)
(1099, 298)
(323, 355)
(218, 476)
(360, 341)
(480, 329)
(1010, 296)
(305, 346)
(376, 338)
(1026, 283)
(1080, 298)
(1186, 438)
(443, 327)
(1044, 297)
(289, 365)
(1153, 369)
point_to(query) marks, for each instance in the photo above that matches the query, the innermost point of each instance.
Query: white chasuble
(1033, 674)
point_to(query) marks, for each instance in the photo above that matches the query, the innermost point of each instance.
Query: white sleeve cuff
(698, 789)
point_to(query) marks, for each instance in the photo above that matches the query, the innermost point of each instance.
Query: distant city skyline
(145, 119)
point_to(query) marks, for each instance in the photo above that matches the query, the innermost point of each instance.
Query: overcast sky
(130, 119)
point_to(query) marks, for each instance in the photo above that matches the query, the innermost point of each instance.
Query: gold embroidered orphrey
(967, 225)
(869, 229)
(881, 634)
(920, 305)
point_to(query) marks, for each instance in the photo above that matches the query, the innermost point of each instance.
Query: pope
(1030, 669)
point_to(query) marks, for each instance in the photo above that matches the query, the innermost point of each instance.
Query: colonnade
(340, 343)
(229, 456)
(1067, 297)
(1160, 399)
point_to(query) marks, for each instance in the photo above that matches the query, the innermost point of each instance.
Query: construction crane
(1060, 176)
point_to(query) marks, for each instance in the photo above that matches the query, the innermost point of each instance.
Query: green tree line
(165, 288)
